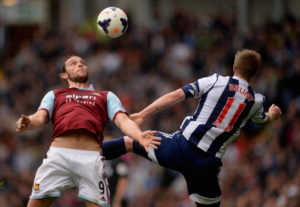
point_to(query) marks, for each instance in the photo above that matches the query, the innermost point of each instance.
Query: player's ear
(234, 69)
(63, 76)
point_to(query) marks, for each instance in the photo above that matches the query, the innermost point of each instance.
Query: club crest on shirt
(36, 187)
(97, 94)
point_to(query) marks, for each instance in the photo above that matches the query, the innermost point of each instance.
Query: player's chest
(89, 99)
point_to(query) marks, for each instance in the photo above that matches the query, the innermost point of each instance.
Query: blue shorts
(199, 168)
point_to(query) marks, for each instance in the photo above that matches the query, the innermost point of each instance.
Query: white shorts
(68, 168)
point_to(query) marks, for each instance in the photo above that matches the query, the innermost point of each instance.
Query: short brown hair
(247, 62)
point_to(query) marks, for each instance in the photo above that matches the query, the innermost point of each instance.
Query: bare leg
(44, 202)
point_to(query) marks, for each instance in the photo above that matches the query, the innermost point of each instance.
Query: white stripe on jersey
(211, 101)
(209, 137)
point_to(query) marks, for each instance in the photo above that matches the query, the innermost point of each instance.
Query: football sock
(211, 205)
(139, 149)
(113, 148)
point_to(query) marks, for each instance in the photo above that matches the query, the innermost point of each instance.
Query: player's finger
(25, 118)
(155, 143)
(152, 132)
(156, 138)
(153, 146)
(146, 148)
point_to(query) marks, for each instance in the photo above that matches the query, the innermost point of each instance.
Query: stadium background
(168, 43)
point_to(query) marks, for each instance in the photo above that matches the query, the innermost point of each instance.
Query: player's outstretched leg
(116, 147)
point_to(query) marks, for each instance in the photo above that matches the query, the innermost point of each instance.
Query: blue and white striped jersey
(225, 105)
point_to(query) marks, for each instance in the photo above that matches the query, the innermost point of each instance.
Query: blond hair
(247, 62)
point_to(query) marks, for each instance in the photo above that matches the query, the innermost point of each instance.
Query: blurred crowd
(259, 170)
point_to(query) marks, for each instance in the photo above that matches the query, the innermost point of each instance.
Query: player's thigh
(44, 202)
(168, 152)
(91, 179)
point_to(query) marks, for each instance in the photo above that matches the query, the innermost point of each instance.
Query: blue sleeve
(48, 103)
(114, 105)
(191, 90)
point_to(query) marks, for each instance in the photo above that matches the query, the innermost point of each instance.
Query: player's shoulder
(258, 97)
(212, 79)
(100, 92)
(61, 90)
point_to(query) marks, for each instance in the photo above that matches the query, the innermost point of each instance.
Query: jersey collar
(241, 79)
(91, 88)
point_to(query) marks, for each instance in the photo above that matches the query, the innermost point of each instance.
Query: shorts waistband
(77, 151)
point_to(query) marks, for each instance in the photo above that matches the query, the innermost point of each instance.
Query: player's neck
(78, 85)
(242, 77)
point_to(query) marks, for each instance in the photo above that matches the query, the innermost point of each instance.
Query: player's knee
(202, 201)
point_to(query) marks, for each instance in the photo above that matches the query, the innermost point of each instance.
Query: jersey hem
(94, 201)
(45, 196)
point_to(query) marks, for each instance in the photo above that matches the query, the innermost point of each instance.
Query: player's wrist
(270, 116)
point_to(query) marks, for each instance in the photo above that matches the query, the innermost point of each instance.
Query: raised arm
(34, 121)
(131, 129)
(159, 104)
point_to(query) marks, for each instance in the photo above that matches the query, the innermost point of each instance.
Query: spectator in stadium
(225, 105)
(79, 115)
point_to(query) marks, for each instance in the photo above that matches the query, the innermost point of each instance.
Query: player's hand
(274, 112)
(22, 123)
(147, 139)
(137, 119)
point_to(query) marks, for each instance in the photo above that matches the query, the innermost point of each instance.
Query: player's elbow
(177, 95)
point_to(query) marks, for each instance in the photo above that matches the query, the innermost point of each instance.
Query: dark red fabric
(79, 110)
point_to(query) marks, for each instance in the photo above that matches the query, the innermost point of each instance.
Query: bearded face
(78, 78)
(76, 70)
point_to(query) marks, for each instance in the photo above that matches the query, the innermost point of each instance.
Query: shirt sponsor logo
(86, 99)
(97, 94)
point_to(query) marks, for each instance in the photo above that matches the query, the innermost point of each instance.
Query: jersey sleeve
(48, 103)
(260, 116)
(199, 87)
(114, 106)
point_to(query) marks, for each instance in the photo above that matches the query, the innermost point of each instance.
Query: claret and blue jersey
(72, 109)
(225, 105)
